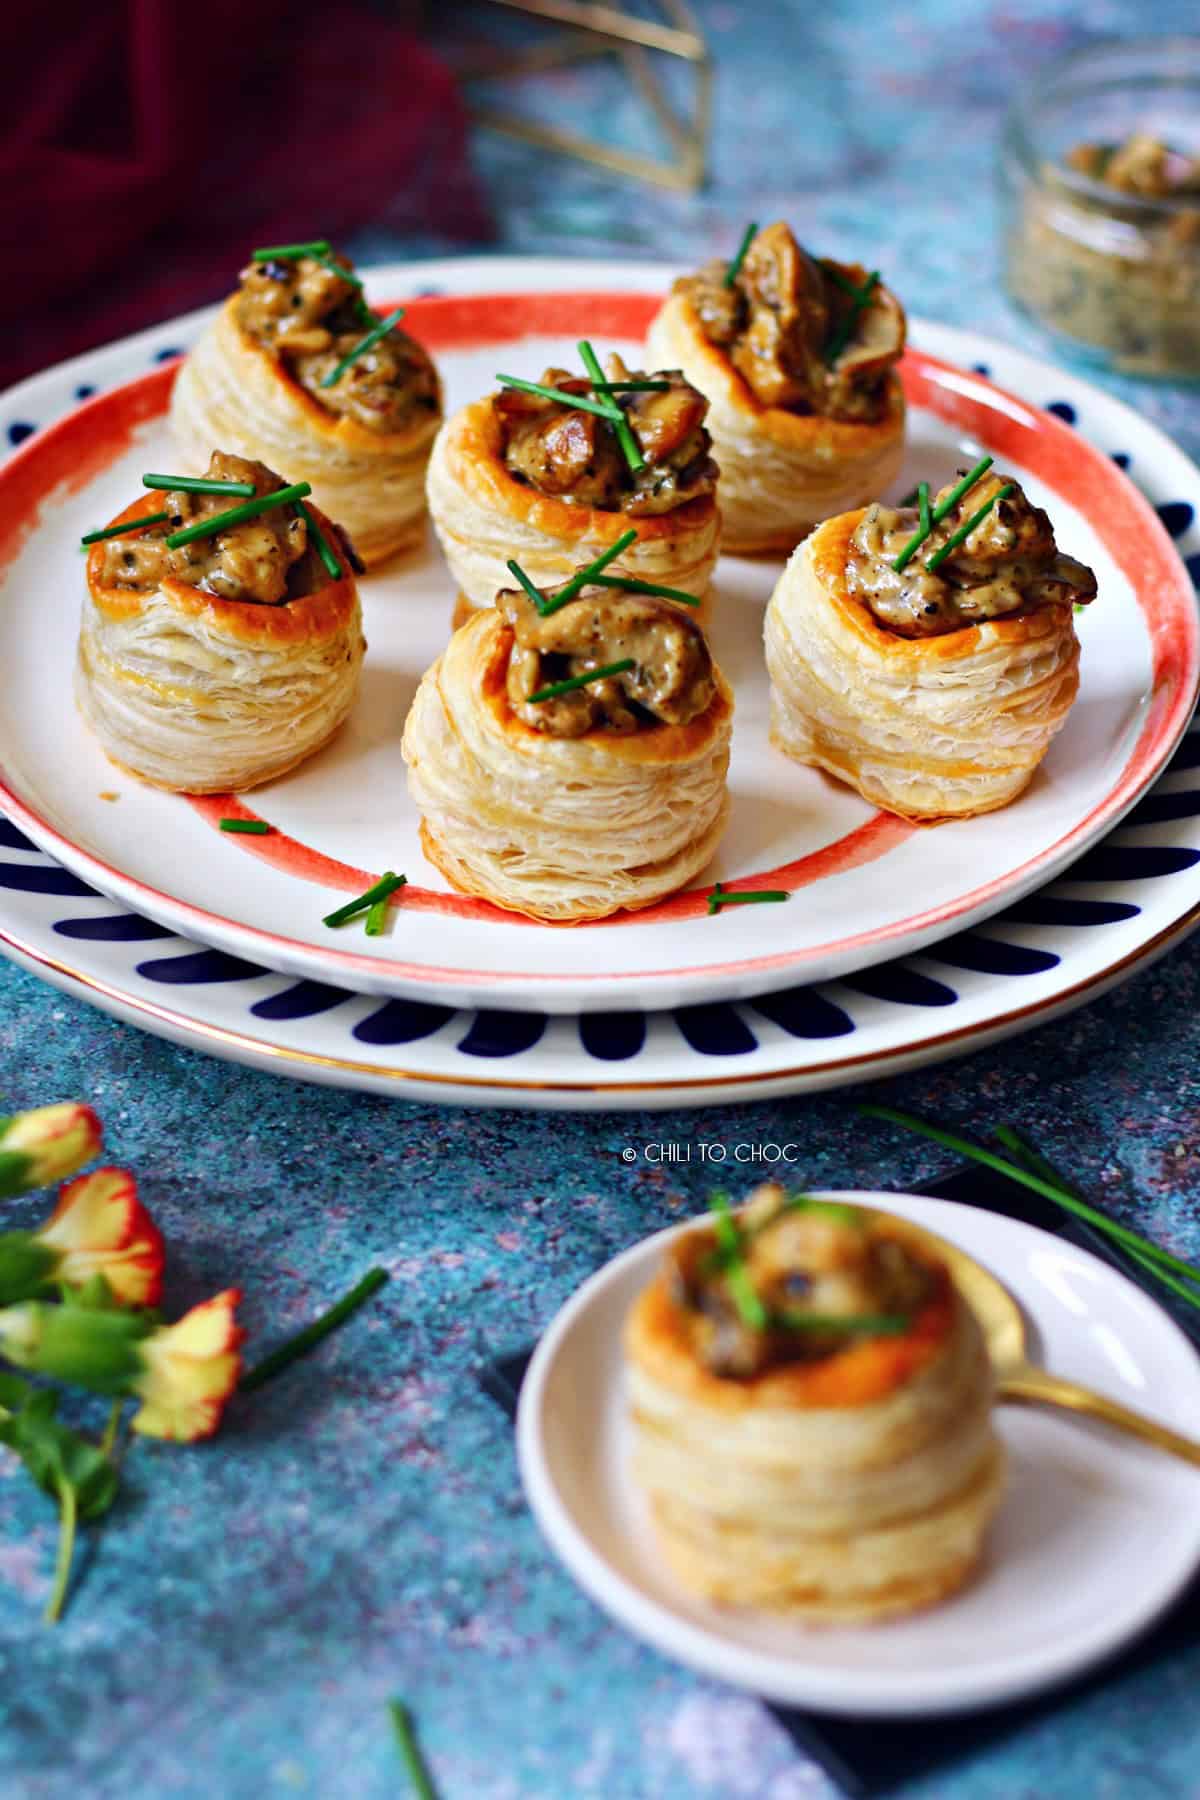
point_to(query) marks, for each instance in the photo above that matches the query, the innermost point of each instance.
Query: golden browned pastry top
(1008, 563)
(308, 312)
(792, 1302)
(261, 579)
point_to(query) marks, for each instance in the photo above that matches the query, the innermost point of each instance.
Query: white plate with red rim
(1052, 1597)
(865, 887)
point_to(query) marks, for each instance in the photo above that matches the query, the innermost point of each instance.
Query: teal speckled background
(358, 1530)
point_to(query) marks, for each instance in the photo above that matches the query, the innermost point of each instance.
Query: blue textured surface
(357, 1531)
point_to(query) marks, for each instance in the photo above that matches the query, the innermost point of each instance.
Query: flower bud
(39, 1147)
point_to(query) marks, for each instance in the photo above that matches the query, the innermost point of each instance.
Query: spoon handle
(1038, 1387)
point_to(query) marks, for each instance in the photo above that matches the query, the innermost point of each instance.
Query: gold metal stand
(603, 30)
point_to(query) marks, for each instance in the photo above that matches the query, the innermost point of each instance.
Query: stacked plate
(898, 944)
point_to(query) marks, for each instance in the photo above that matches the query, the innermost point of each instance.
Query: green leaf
(54, 1454)
(15, 1171)
(25, 1266)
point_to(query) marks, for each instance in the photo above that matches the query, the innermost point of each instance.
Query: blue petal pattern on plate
(804, 1012)
(614, 1036)
(402, 1022)
(199, 966)
(716, 1030)
(502, 1033)
(304, 1001)
(1176, 515)
(112, 928)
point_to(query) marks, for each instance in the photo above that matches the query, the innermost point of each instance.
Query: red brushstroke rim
(67, 455)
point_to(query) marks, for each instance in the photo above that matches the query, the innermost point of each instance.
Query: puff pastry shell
(483, 516)
(851, 1489)
(231, 391)
(560, 829)
(781, 472)
(202, 695)
(930, 728)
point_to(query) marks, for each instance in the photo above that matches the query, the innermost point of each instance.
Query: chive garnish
(581, 577)
(750, 1308)
(744, 897)
(635, 586)
(964, 486)
(861, 298)
(250, 509)
(94, 537)
(604, 409)
(923, 505)
(360, 349)
(735, 267)
(632, 387)
(333, 567)
(198, 484)
(630, 448)
(295, 1347)
(964, 531)
(387, 884)
(1049, 1190)
(406, 1741)
(291, 252)
(877, 1324)
(247, 827)
(577, 681)
(377, 918)
(939, 512)
(1038, 1165)
(525, 582)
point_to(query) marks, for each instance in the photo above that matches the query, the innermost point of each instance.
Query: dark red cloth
(147, 145)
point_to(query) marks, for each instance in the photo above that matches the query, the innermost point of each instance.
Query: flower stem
(67, 1512)
(108, 1442)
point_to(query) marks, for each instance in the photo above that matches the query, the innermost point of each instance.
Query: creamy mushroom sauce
(267, 559)
(1009, 564)
(311, 315)
(802, 1258)
(779, 315)
(671, 683)
(576, 455)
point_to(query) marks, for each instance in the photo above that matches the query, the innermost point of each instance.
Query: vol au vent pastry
(798, 359)
(519, 474)
(220, 661)
(571, 762)
(929, 671)
(811, 1412)
(297, 370)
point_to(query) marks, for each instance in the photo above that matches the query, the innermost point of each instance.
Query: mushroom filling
(806, 1262)
(576, 455)
(671, 681)
(311, 315)
(266, 559)
(794, 331)
(1008, 564)
(1143, 164)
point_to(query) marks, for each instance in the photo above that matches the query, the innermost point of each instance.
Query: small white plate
(1096, 1536)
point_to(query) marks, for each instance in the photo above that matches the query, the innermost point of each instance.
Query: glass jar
(1113, 276)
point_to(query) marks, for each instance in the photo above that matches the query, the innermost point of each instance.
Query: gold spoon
(1016, 1377)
